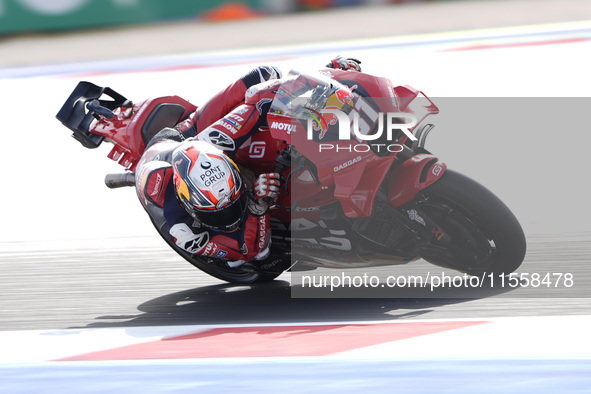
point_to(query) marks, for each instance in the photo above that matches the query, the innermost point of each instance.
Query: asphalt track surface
(122, 288)
(139, 281)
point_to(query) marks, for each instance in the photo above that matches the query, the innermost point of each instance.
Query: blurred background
(40, 31)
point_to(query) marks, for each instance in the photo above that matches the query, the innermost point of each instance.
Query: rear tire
(486, 236)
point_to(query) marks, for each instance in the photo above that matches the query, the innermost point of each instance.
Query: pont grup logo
(363, 124)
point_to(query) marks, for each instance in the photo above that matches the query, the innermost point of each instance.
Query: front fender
(412, 176)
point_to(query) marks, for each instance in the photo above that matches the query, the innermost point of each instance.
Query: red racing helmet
(208, 185)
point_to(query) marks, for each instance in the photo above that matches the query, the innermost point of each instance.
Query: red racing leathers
(225, 121)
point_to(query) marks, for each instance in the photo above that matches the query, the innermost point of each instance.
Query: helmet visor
(227, 218)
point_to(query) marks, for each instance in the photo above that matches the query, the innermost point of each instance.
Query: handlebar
(95, 106)
(282, 161)
(114, 181)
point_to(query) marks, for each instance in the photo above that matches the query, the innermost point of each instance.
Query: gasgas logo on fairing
(347, 164)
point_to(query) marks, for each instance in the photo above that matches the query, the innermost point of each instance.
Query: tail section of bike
(96, 114)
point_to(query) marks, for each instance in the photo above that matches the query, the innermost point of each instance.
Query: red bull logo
(345, 95)
(341, 97)
(325, 120)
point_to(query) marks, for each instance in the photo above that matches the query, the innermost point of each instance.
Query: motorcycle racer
(195, 193)
(357, 207)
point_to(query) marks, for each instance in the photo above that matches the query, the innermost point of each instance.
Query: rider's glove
(266, 73)
(266, 186)
(342, 63)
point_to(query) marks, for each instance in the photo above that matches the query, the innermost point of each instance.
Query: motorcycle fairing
(121, 130)
(357, 192)
(348, 174)
(412, 176)
(353, 175)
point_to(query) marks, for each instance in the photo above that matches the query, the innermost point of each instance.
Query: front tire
(486, 236)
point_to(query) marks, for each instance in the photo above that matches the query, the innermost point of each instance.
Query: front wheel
(485, 235)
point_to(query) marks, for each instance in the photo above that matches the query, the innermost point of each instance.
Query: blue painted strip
(302, 376)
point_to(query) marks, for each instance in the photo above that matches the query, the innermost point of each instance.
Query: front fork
(426, 231)
(405, 182)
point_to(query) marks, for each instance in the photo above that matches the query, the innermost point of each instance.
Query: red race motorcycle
(359, 188)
